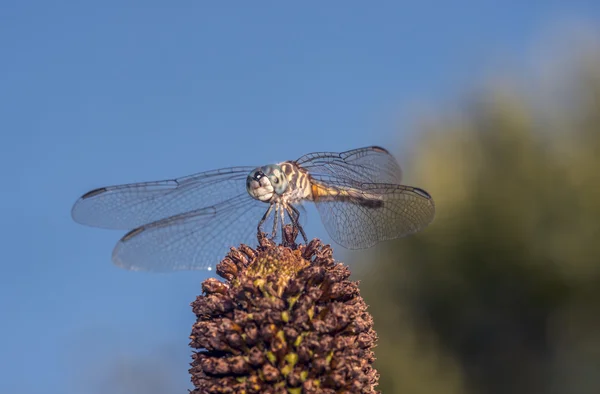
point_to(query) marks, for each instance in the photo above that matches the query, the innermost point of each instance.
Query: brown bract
(286, 320)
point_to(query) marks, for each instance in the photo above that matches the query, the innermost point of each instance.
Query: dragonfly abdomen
(322, 193)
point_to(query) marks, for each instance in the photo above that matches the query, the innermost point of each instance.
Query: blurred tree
(501, 294)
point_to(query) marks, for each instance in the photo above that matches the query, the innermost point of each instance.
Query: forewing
(132, 205)
(394, 211)
(372, 164)
(191, 241)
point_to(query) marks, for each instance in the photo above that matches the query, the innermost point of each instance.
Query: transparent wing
(374, 213)
(191, 241)
(129, 206)
(372, 164)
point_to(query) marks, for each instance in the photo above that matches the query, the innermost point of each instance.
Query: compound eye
(276, 180)
(258, 175)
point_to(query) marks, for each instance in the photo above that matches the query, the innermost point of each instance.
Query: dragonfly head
(263, 182)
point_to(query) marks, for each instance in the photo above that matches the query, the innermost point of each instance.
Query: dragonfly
(189, 223)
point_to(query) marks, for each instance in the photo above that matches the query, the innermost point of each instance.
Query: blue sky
(93, 94)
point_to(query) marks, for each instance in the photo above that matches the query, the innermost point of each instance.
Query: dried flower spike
(286, 320)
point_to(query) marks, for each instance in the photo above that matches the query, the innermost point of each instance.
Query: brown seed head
(286, 320)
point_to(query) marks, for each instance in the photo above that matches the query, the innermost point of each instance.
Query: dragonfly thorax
(263, 183)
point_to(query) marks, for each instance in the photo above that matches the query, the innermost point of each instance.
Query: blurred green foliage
(501, 294)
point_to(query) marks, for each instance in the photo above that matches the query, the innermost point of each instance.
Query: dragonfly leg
(294, 215)
(275, 221)
(264, 218)
(282, 218)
